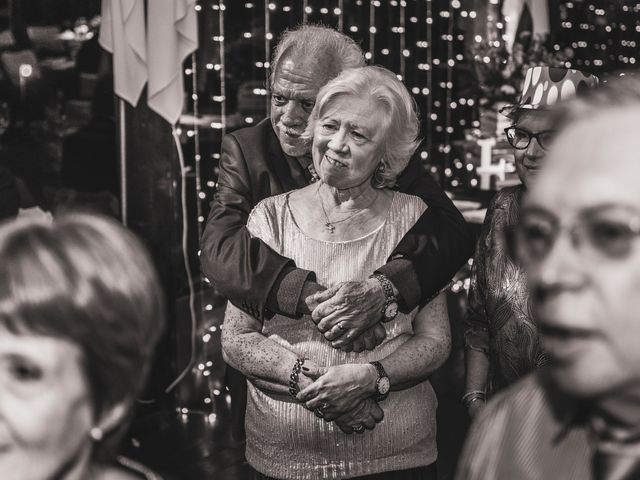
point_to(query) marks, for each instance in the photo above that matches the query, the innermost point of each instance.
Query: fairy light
(371, 54)
(267, 51)
(403, 50)
(429, 87)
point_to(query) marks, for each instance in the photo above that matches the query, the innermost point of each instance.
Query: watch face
(383, 385)
(392, 310)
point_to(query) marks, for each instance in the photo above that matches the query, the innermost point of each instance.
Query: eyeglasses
(519, 138)
(593, 234)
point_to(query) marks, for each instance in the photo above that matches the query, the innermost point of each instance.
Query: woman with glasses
(501, 341)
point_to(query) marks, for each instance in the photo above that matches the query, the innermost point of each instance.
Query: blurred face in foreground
(579, 240)
(45, 408)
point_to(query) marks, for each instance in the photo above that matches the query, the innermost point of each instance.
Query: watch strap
(387, 288)
(379, 369)
(381, 374)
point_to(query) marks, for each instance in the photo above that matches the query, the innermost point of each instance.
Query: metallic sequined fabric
(284, 440)
(499, 319)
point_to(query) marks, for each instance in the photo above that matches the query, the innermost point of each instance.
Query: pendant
(330, 227)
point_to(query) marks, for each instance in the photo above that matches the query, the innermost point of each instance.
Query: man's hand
(348, 309)
(367, 413)
(308, 301)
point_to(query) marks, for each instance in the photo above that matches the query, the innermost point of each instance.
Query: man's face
(529, 160)
(581, 224)
(293, 94)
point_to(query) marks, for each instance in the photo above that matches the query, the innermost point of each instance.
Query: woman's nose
(534, 149)
(558, 271)
(337, 142)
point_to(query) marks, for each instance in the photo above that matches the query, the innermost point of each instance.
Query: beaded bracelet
(293, 378)
(470, 397)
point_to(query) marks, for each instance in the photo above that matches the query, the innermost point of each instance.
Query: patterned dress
(499, 320)
(285, 440)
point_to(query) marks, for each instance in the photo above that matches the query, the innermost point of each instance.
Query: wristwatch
(383, 385)
(390, 307)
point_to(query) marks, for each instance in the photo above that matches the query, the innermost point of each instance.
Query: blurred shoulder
(127, 469)
(503, 427)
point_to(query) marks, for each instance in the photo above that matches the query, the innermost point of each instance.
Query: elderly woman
(306, 398)
(80, 313)
(502, 339)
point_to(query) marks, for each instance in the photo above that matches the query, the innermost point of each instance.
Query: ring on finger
(341, 326)
(358, 428)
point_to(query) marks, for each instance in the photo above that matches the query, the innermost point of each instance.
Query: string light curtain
(414, 38)
(425, 42)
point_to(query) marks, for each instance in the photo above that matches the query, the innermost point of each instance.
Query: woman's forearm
(477, 369)
(425, 351)
(263, 361)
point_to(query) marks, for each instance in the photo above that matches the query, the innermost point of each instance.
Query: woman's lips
(334, 162)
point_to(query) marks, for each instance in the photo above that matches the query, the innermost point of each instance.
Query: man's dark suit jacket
(245, 270)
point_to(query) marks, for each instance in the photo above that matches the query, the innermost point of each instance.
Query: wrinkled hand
(366, 413)
(309, 373)
(369, 340)
(340, 389)
(356, 306)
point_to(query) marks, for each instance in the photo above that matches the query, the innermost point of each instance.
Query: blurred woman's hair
(88, 280)
(399, 121)
(619, 91)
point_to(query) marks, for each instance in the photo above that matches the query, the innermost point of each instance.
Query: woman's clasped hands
(343, 394)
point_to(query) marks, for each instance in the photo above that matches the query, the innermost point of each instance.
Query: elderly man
(502, 342)
(578, 239)
(272, 158)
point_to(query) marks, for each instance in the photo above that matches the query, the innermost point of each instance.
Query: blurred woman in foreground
(81, 310)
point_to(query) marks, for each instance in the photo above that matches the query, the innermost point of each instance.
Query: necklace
(329, 225)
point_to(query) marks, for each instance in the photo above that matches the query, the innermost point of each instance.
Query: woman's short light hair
(399, 122)
(315, 41)
(88, 280)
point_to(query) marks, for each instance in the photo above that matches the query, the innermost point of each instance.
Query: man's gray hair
(315, 41)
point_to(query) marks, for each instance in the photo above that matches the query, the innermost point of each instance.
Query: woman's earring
(376, 180)
(96, 434)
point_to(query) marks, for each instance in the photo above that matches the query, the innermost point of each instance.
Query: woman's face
(347, 141)
(529, 160)
(45, 407)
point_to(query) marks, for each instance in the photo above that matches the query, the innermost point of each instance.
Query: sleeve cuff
(403, 276)
(286, 292)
